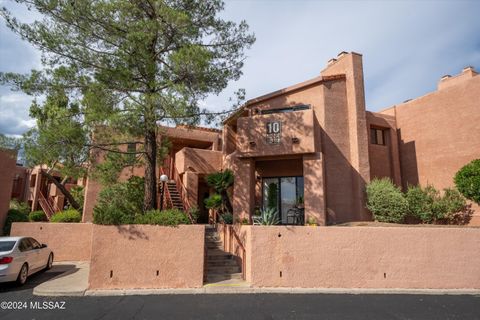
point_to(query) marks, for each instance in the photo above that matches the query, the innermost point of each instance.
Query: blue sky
(406, 45)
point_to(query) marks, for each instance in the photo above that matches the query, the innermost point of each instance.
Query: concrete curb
(249, 290)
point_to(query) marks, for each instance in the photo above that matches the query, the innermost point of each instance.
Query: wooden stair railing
(47, 207)
(182, 191)
(166, 193)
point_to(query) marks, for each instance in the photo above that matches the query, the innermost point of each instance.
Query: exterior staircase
(221, 267)
(175, 198)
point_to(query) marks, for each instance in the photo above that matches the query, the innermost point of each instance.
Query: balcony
(276, 134)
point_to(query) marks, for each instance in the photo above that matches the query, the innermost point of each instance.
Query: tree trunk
(226, 201)
(150, 198)
(62, 189)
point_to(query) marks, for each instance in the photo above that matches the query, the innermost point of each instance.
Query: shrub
(78, 193)
(171, 217)
(268, 217)
(386, 201)
(452, 208)
(429, 206)
(422, 203)
(227, 218)
(69, 215)
(213, 202)
(20, 206)
(13, 215)
(37, 216)
(119, 203)
(467, 181)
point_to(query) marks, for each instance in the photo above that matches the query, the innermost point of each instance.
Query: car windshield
(6, 245)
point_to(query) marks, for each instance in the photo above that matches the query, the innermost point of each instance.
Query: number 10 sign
(274, 131)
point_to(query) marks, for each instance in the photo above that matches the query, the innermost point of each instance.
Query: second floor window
(377, 136)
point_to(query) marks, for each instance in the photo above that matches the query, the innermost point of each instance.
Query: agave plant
(267, 217)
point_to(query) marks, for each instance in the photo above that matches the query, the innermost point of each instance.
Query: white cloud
(407, 46)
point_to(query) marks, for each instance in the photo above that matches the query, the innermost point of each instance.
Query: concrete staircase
(222, 267)
(174, 195)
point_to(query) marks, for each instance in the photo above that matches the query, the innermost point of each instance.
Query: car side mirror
(44, 245)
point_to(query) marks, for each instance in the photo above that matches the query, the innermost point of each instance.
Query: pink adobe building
(313, 145)
(31, 186)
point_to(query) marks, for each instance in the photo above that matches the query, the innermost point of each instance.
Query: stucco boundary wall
(147, 256)
(363, 257)
(68, 241)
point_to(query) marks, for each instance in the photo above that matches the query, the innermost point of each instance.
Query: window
(35, 243)
(6, 245)
(282, 194)
(25, 245)
(377, 136)
(286, 109)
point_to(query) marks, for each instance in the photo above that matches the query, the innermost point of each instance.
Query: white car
(21, 257)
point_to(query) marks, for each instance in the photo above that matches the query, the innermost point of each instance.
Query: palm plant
(221, 181)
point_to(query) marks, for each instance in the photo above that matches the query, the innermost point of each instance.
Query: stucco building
(314, 146)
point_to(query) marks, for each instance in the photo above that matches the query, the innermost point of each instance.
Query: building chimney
(331, 61)
(448, 81)
(468, 68)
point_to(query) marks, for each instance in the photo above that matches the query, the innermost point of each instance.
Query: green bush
(429, 206)
(171, 217)
(20, 206)
(13, 215)
(467, 181)
(386, 201)
(422, 203)
(227, 218)
(213, 202)
(267, 217)
(452, 208)
(78, 193)
(120, 203)
(69, 215)
(37, 216)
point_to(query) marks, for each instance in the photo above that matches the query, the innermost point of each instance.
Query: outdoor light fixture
(163, 179)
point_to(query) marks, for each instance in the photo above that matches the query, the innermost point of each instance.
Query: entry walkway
(72, 280)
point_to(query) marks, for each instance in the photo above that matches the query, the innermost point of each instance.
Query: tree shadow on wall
(132, 232)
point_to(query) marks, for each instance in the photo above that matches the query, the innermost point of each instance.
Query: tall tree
(59, 141)
(135, 63)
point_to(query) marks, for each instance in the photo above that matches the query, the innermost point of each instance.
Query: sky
(407, 47)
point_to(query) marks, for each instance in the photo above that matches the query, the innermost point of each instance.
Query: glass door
(288, 196)
(283, 194)
(271, 188)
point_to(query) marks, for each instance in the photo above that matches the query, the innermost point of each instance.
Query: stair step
(222, 262)
(218, 257)
(220, 277)
(214, 241)
(211, 270)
